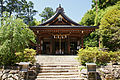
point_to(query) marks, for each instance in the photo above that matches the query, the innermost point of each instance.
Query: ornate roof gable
(59, 18)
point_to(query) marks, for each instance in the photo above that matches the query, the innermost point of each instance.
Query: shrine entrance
(60, 48)
(60, 45)
(59, 35)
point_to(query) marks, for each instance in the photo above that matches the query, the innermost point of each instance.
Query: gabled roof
(59, 18)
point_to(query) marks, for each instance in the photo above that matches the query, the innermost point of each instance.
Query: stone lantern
(91, 71)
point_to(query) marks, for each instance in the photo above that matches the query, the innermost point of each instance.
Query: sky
(74, 9)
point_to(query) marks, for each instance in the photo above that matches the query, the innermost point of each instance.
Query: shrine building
(60, 35)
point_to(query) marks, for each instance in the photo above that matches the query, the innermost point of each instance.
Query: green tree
(27, 12)
(47, 13)
(88, 18)
(102, 12)
(20, 8)
(92, 40)
(110, 28)
(102, 4)
(14, 37)
(2, 7)
(35, 22)
(11, 6)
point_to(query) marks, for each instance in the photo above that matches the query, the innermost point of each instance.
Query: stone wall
(109, 72)
(17, 74)
(11, 75)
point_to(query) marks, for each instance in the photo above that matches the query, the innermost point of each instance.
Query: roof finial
(59, 5)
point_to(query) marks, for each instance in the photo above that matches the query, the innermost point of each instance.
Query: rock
(13, 71)
(106, 71)
(83, 76)
(33, 68)
(10, 75)
(15, 77)
(109, 77)
(16, 74)
(6, 71)
(83, 71)
(4, 76)
(1, 75)
(115, 66)
(10, 79)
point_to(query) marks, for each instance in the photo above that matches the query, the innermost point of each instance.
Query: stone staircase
(58, 68)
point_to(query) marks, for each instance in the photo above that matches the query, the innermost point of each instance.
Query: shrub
(102, 58)
(7, 59)
(114, 56)
(15, 36)
(93, 54)
(26, 56)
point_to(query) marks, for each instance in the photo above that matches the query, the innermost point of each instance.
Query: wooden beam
(82, 42)
(68, 45)
(51, 47)
(38, 46)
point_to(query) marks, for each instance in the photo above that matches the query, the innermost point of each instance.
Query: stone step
(65, 73)
(59, 65)
(43, 58)
(61, 79)
(58, 68)
(58, 76)
(58, 71)
(69, 63)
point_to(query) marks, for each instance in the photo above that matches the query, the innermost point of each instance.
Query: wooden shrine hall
(60, 35)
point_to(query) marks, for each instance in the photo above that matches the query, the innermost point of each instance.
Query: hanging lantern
(82, 31)
(62, 37)
(54, 36)
(65, 36)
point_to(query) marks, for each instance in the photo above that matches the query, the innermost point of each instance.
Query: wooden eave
(68, 29)
(64, 27)
(65, 24)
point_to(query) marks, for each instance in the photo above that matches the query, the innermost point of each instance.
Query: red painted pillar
(82, 41)
(40, 51)
(38, 46)
(68, 45)
(51, 44)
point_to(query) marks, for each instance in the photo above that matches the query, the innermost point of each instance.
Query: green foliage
(115, 56)
(87, 55)
(35, 22)
(102, 12)
(20, 8)
(93, 54)
(7, 59)
(83, 67)
(26, 56)
(102, 4)
(27, 12)
(110, 29)
(14, 37)
(47, 13)
(102, 58)
(92, 40)
(88, 18)
(99, 16)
